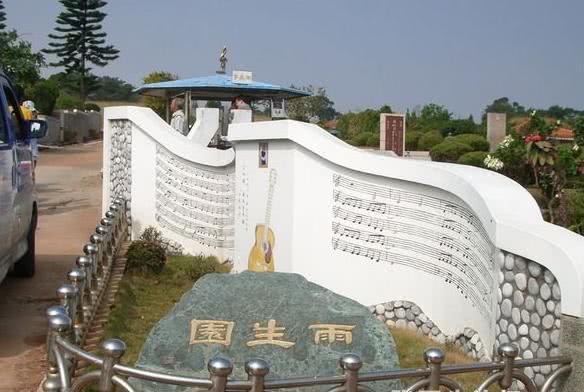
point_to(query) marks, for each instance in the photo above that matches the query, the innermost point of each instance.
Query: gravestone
(298, 327)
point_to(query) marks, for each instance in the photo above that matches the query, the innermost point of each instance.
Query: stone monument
(298, 327)
(496, 129)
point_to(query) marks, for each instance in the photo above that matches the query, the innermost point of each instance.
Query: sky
(457, 53)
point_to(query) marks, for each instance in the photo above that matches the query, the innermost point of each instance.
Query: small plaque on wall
(263, 155)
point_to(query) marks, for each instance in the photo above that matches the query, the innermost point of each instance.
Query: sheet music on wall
(193, 201)
(427, 233)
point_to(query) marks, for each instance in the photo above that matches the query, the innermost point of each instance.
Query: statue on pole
(223, 59)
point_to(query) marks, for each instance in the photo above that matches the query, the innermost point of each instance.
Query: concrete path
(69, 191)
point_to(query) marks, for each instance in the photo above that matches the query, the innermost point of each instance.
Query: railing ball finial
(351, 362)
(60, 323)
(95, 239)
(114, 348)
(106, 222)
(257, 367)
(101, 230)
(56, 310)
(508, 350)
(90, 249)
(119, 201)
(434, 356)
(76, 275)
(67, 291)
(114, 208)
(110, 215)
(220, 366)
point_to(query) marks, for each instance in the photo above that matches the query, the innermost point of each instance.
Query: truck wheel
(25, 267)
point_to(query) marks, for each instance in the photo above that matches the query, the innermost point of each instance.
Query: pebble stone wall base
(407, 315)
(120, 177)
(529, 311)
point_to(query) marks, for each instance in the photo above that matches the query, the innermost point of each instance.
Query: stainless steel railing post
(90, 251)
(219, 368)
(507, 352)
(351, 363)
(52, 381)
(77, 279)
(113, 349)
(68, 297)
(58, 375)
(434, 358)
(257, 370)
(84, 263)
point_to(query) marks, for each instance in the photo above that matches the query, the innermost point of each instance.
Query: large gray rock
(179, 343)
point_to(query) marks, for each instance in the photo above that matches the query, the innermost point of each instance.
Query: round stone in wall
(523, 330)
(541, 353)
(518, 298)
(520, 263)
(423, 318)
(523, 343)
(521, 281)
(545, 292)
(534, 269)
(516, 316)
(389, 315)
(499, 295)
(550, 305)
(416, 310)
(506, 306)
(512, 332)
(398, 304)
(548, 321)
(425, 329)
(400, 313)
(509, 261)
(503, 338)
(401, 323)
(525, 316)
(390, 323)
(529, 303)
(379, 309)
(503, 324)
(540, 307)
(556, 291)
(501, 277)
(534, 334)
(501, 259)
(410, 315)
(554, 352)
(389, 306)
(527, 354)
(507, 290)
(545, 340)
(535, 320)
(509, 276)
(558, 310)
(557, 323)
(539, 379)
(407, 304)
(412, 326)
(548, 277)
(555, 337)
(532, 286)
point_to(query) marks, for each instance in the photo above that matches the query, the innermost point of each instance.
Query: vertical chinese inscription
(394, 133)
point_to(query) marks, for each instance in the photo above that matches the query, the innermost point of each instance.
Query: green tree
(112, 89)
(2, 16)
(18, 60)
(44, 94)
(158, 104)
(434, 116)
(316, 106)
(80, 41)
(579, 131)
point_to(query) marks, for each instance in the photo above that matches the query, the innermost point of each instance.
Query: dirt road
(69, 190)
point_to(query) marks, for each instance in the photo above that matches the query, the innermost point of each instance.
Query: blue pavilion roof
(219, 87)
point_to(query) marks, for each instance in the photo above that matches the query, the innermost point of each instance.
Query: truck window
(15, 115)
(3, 131)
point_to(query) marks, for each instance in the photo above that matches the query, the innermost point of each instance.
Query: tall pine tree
(2, 17)
(80, 41)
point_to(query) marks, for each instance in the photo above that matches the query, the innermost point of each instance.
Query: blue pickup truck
(18, 202)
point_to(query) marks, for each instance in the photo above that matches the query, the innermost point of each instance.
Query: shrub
(575, 208)
(373, 140)
(449, 151)
(44, 94)
(474, 158)
(429, 140)
(92, 106)
(412, 139)
(361, 138)
(68, 102)
(148, 253)
(476, 142)
(202, 265)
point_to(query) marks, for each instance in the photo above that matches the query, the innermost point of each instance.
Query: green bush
(429, 140)
(44, 94)
(373, 140)
(68, 102)
(474, 158)
(449, 151)
(92, 106)
(361, 139)
(412, 139)
(476, 142)
(575, 209)
(148, 253)
(202, 265)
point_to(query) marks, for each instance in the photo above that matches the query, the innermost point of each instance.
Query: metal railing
(81, 297)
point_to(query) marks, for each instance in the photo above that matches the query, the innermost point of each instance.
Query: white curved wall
(441, 225)
(171, 182)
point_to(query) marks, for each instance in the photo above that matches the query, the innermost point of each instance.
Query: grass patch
(411, 346)
(143, 299)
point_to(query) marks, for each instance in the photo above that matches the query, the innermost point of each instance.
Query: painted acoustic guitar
(261, 256)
